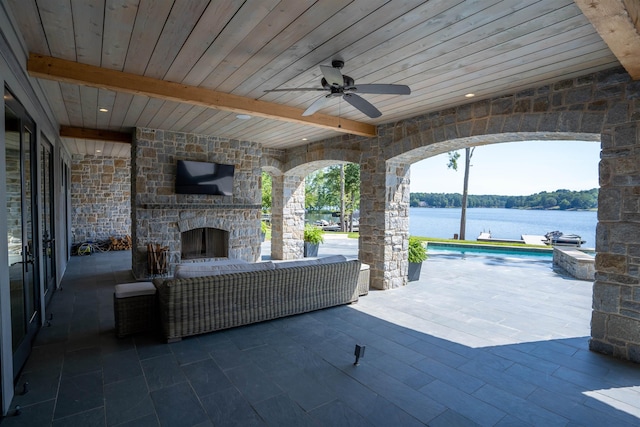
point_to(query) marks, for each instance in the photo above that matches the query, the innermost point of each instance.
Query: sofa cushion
(212, 261)
(332, 259)
(295, 263)
(215, 270)
(135, 289)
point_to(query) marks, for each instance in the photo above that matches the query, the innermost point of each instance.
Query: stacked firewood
(157, 258)
(123, 244)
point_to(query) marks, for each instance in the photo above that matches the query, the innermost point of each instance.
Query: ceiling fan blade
(332, 75)
(362, 104)
(317, 105)
(385, 89)
(296, 89)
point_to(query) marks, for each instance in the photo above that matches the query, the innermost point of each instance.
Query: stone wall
(615, 323)
(287, 217)
(384, 220)
(575, 262)
(100, 198)
(159, 215)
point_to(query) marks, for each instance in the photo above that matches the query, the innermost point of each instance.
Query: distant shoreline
(562, 200)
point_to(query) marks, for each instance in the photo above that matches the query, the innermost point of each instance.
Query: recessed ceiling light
(470, 95)
(103, 110)
(304, 139)
(98, 151)
(243, 116)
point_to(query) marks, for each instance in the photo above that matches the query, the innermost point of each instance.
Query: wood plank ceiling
(442, 49)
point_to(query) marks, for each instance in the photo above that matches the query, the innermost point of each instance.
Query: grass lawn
(355, 235)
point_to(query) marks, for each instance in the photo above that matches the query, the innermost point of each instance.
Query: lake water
(502, 223)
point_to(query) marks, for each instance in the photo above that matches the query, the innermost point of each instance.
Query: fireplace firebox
(204, 243)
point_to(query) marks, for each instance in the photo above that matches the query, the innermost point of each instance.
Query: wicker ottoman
(135, 308)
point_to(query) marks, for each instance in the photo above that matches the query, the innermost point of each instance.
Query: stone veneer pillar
(287, 217)
(384, 220)
(615, 322)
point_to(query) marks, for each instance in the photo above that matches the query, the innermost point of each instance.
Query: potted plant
(417, 254)
(312, 239)
(263, 230)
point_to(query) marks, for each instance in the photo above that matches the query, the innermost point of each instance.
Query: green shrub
(417, 251)
(264, 227)
(313, 234)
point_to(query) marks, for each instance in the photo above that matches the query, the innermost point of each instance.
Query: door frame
(22, 351)
(48, 283)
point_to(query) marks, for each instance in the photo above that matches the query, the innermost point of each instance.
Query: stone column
(615, 322)
(287, 217)
(384, 220)
(277, 206)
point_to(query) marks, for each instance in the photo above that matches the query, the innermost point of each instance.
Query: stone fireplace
(193, 226)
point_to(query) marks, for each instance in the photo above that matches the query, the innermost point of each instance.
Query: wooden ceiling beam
(61, 70)
(95, 134)
(617, 23)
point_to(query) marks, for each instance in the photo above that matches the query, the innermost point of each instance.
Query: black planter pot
(311, 249)
(414, 271)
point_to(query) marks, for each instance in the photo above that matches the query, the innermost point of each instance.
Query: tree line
(559, 199)
(323, 194)
(326, 190)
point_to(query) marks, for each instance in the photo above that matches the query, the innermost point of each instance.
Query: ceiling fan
(340, 85)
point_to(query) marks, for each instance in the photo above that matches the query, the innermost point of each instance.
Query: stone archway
(288, 205)
(603, 106)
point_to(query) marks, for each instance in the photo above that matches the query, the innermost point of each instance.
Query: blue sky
(514, 168)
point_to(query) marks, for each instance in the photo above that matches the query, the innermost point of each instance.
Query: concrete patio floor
(477, 341)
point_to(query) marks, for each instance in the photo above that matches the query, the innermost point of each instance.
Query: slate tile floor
(477, 341)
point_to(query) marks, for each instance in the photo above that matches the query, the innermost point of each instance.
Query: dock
(532, 239)
(529, 239)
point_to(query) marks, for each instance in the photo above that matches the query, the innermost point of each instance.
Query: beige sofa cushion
(212, 261)
(295, 263)
(215, 270)
(135, 289)
(332, 259)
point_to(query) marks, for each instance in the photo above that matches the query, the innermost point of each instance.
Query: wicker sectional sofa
(196, 305)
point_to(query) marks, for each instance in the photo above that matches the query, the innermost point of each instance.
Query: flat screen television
(204, 178)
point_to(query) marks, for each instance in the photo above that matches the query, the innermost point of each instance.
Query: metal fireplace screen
(205, 243)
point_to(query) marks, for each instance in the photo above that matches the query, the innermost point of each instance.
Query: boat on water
(558, 238)
(326, 225)
(552, 238)
(332, 226)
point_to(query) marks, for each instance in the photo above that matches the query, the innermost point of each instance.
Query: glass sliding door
(47, 220)
(23, 245)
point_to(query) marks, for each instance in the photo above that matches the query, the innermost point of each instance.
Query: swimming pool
(437, 248)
